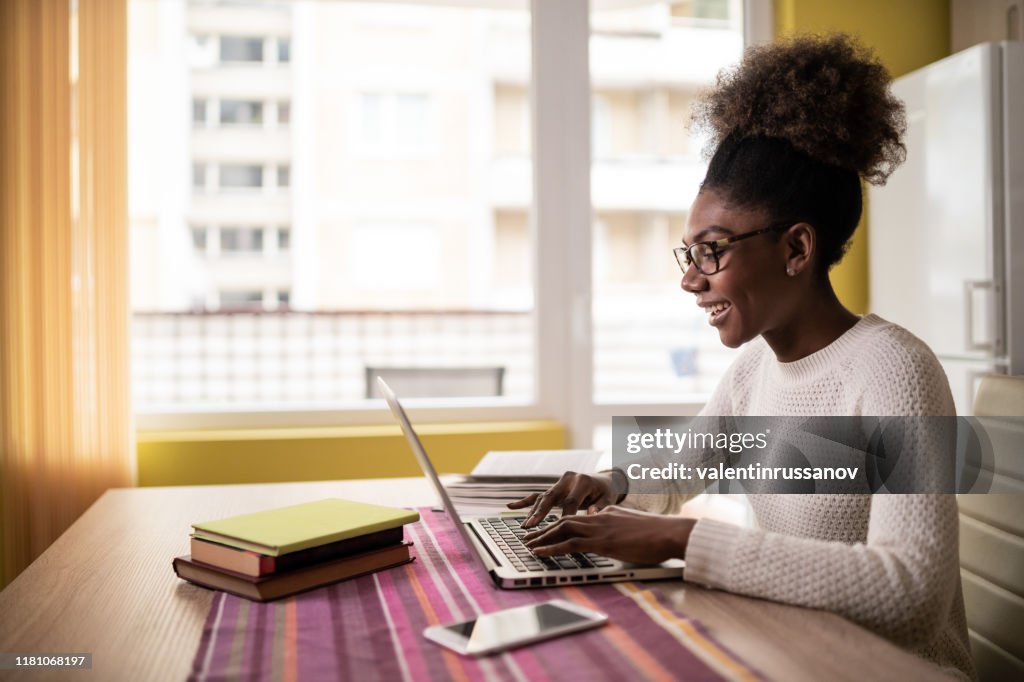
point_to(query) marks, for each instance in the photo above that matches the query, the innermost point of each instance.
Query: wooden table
(106, 587)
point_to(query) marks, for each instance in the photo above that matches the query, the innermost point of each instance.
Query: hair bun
(828, 96)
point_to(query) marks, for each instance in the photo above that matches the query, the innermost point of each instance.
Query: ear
(800, 245)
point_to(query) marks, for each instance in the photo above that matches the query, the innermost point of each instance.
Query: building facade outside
(317, 187)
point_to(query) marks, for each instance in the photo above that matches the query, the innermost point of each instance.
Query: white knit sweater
(888, 562)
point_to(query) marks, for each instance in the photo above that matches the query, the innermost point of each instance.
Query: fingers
(576, 496)
(541, 506)
(570, 546)
(565, 527)
(567, 535)
(525, 502)
(548, 499)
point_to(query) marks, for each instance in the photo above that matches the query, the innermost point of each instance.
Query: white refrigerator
(946, 236)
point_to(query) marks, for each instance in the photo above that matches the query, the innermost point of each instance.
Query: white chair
(437, 382)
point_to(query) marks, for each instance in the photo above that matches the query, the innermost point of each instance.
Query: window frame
(560, 222)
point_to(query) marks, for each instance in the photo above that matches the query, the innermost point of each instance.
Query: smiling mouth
(716, 311)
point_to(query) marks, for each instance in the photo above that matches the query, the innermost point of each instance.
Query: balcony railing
(211, 359)
(291, 359)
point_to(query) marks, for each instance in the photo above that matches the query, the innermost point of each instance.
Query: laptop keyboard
(508, 534)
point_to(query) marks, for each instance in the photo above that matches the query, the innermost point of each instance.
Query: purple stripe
(317, 658)
(224, 635)
(384, 662)
(251, 665)
(361, 639)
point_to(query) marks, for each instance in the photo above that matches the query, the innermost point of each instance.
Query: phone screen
(512, 625)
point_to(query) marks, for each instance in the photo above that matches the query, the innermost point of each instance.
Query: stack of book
(279, 552)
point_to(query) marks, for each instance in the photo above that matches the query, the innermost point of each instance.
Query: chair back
(437, 382)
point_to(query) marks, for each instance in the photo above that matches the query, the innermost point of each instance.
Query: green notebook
(288, 529)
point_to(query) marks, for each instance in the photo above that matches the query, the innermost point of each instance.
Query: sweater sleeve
(899, 583)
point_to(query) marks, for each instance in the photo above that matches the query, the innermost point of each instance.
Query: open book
(503, 476)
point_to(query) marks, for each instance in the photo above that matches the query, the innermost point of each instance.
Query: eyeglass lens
(702, 255)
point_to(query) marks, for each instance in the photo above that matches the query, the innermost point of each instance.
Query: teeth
(717, 308)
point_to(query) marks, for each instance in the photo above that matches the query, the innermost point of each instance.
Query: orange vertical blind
(65, 417)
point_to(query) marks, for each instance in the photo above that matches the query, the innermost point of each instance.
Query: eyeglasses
(705, 254)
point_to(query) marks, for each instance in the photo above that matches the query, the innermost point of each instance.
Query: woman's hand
(616, 532)
(572, 492)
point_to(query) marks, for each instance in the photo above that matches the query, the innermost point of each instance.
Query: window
(198, 238)
(393, 124)
(432, 194)
(241, 176)
(241, 112)
(245, 299)
(199, 112)
(234, 240)
(199, 176)
(236, 49)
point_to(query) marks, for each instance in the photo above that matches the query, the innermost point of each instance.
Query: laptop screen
(425, 464)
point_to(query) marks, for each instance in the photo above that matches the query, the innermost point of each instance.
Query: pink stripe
(418, 668)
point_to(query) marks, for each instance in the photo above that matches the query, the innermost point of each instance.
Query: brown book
(277, 585)
(255, 564)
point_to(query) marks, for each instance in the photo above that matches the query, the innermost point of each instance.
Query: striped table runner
(369, 628)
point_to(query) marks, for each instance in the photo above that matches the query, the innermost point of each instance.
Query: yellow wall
(313, 454)
(906, 35)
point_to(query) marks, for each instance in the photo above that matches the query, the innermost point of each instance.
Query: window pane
(241, 175)
(199, 175)
(241, 240)
(235, 49)
(645, 172)
(199, 238)
(402, 238)
(241, 300)
(241, 112)
(199, 111)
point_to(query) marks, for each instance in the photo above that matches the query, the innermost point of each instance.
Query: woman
(795, 127)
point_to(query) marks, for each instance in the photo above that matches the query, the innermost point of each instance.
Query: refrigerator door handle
(970, 286)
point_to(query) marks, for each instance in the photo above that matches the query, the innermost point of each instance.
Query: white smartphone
(514, 627)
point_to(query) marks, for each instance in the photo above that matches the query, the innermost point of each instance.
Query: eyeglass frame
(684, 259)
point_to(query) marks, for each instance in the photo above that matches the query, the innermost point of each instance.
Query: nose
(694, 280)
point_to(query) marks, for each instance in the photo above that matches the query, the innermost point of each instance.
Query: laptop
(497, 540)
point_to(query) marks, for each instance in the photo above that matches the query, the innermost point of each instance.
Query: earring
(790, 271)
